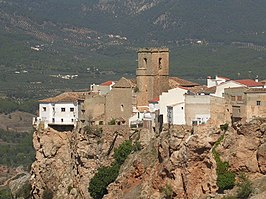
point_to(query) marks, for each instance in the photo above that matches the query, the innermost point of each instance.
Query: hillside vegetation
(98, 40)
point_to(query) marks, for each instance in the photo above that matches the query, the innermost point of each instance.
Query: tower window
(160, 63)
(258, 103)
(71, 109)
(145, 62)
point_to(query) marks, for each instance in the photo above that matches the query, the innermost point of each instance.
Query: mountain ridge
(71, 36)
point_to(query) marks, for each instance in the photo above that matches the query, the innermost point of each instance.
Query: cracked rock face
(176, 160)
(261, 156)
(66, 161)
(185, 163)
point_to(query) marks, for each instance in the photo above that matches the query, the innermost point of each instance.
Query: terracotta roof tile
(155, 100)
(249, 82)
(108, 83)
(175, 81)
(66, 97)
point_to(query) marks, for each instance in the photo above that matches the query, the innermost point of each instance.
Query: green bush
(106, 175)
(225, 178)
(245, 188)
(122, 152)
(102, 179)
(224, 127)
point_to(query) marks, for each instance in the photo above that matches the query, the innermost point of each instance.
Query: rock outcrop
(66, 161)
(178, 163)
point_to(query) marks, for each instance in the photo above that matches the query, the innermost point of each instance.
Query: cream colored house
(244, 104)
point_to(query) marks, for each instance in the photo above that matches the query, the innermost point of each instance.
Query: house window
(258, 103)
(44, 108)
(53, 120)
(72, 120)
(182, 108)
(62, 120)
(71, 109)
(63, 109)
(239, 98)
(233, 98)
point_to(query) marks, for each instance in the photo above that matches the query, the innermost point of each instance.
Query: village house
(249, 83)
(244, 104)
(60, 112)
(103, 88)
(92, 109)
(154, 99)
(120, 102)
(216, 81)
(172, 106)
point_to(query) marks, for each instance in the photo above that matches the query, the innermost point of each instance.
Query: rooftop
(125, 83)
(202, 89)
(176, 81)
(155, 100)
(108, 83)
(66, 97)
(249, 82)
(256, 90)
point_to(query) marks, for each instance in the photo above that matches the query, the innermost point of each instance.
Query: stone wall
(118, 104)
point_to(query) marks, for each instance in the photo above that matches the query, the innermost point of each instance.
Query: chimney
(257, 79)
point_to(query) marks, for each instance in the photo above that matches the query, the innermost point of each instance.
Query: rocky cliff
(177, 163)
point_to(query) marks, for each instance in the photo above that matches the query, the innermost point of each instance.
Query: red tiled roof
(249, 82)
(155, 100)
(108, 83)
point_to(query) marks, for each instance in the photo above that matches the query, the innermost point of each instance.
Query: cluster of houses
(154, 99)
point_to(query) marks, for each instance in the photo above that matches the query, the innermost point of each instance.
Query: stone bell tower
(152, 74)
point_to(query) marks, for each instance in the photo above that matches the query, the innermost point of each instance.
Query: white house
(103, 88)
(145, 113)
(236, 83)
(61, 110)
(198, 109)
(172, 105)
(216, 81)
